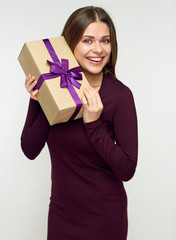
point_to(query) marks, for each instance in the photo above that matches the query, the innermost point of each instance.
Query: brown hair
(77, 24)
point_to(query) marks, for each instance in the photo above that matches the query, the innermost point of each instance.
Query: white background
(146, 32)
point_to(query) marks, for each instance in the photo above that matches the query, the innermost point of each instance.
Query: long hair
(79, 21)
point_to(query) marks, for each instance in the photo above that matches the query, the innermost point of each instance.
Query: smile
(95, 59)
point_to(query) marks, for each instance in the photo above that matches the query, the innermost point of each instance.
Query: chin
(94, 71)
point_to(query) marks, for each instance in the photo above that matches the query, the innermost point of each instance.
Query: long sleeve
(35, 131)
(121, 156)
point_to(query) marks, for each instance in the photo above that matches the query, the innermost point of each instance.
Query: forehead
(97, 29)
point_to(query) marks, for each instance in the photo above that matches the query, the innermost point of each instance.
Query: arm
(35, 131)
(122, 156)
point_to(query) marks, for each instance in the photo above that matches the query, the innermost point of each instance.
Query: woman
(91, 157)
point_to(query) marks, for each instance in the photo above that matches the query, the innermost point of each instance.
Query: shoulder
(122, 97)
(116, 88)
(115, 96)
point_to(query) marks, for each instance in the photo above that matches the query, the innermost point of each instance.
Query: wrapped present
(60, 80)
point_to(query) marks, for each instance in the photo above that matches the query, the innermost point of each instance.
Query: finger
(84, 101)
(90, 95)
(87, 92)
(97, 103)
(29, 80)
(30, 88)
(29, 76)
(98, 98)
(34, 94)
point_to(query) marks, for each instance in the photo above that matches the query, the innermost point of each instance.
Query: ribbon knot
(68, 76)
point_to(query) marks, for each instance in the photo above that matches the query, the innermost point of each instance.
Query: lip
(95, 63)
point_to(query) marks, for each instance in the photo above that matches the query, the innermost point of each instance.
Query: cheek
(80, 51)
(109, 50)
(77, 50)
(78, 55)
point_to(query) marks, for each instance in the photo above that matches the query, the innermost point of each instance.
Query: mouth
(95, 59)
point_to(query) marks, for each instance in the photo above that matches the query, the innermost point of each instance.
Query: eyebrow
(93, 37)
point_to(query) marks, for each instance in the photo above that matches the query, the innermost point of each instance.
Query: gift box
(60, 80)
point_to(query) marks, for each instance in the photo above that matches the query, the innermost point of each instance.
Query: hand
(30, 84)
(92, 105)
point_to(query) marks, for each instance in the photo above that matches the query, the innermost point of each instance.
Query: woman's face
(94, 49)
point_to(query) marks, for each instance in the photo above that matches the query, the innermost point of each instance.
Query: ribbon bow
(68, 76)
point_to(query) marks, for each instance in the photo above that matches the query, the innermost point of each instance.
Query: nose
(97, 48)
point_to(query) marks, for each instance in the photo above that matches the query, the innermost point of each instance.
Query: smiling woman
(91, 157)
(93, 51)
(77, 23)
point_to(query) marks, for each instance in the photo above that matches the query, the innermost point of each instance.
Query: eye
(87, 41)
(106, 41)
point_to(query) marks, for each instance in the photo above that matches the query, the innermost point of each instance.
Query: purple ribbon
(68, 76)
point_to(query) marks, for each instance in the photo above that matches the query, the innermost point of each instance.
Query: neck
(94, 80)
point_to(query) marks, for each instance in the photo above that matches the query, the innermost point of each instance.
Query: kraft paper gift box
(60, 79)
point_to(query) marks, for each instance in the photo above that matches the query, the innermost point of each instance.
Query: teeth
(95, 59)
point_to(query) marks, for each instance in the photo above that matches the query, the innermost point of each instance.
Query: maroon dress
(89, 161)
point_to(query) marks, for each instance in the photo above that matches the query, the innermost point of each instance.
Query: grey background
(146, 32)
